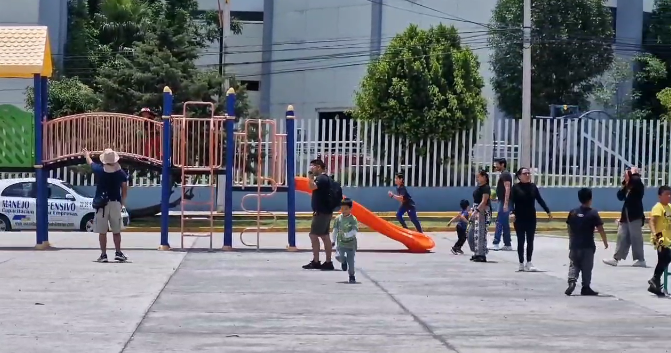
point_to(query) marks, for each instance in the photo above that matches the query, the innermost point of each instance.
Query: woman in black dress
(480, 218)
(523, 198)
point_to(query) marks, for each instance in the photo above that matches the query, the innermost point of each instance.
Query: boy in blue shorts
(462, 217)
(345, 228)
(407, 204)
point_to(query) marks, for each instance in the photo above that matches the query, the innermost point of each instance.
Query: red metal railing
(131, 136)
(198, 142)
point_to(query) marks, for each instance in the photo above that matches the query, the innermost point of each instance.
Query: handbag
(99, 202)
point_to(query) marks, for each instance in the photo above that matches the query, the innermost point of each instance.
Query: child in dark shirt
(462, 217)
(581, 223)
(407, 204)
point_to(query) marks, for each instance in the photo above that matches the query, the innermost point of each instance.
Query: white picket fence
(565, 152)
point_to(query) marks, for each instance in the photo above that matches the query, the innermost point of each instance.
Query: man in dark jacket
(630, 229)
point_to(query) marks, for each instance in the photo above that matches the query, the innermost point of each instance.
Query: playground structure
(189, 144)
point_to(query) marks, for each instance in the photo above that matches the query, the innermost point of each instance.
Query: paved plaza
(249, 301)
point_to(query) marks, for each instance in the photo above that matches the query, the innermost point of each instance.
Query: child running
(462, 217)
(345, 228)
(407, 204)
(581, 222)
(660, 228)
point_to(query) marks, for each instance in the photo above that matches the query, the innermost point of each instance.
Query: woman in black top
(481, 215)
(523, 198)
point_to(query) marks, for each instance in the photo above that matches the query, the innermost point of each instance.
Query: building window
(251, 85)
(248, 16)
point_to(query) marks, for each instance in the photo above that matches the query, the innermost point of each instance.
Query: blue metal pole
(165, 171)
(230, 155)
(291, 174)
(44, 82)
(40, 205)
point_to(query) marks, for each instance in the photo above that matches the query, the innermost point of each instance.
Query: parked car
(69, 208)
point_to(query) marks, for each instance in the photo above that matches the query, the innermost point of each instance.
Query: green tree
(81, 43)
(67, 96)
(664, 97)
(657, 38)
(571, 46)
(425, 85)
(624, 105)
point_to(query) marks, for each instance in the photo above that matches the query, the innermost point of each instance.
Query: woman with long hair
(523, 198)
(481, 215)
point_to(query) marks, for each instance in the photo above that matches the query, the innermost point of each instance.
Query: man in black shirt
(503, 187)
(581, 223)
(320, 184)
(632, 217)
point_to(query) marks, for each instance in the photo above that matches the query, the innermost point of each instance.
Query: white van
(69, 207)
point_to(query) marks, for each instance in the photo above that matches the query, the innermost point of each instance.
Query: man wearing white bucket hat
(110, 197)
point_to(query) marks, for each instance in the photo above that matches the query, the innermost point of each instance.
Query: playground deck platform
(247, 301)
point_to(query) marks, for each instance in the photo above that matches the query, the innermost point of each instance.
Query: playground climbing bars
(269, 146)
(198, 141)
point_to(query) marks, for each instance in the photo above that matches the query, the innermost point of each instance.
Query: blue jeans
(413, 218)
(347, 256)
(502, 226)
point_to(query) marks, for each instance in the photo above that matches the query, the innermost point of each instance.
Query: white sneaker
(507, 248)
(638, 263)
(521, 268)
(611, 262)
(530, 267)
(495, 247)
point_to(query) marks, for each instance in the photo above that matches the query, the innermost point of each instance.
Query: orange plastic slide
(414, 241)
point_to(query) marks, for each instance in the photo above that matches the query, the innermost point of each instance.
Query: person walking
(462, 226)
(110, 198)
(320, 184)
(345, 228)
(581, 222)
(481, 215)
(503, 187)
(660, 230)
(525, 194)
(632, 218)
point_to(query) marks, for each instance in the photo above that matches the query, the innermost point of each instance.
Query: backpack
(335, 193)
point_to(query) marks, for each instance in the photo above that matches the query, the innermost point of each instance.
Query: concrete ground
(248, 301)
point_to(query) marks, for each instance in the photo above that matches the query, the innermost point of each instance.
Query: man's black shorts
(321, 224)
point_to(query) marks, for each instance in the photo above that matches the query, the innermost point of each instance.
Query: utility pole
(224, 31)
(222, 57)
(525, 125)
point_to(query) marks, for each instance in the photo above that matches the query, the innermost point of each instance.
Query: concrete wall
(310, 39)
(376, 199)
(51, 13)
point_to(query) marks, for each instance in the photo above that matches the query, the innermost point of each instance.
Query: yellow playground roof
(25, 51)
